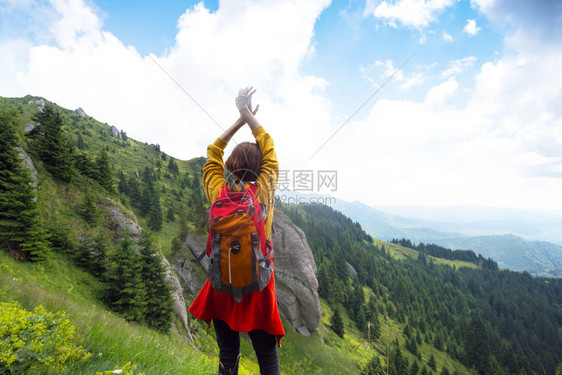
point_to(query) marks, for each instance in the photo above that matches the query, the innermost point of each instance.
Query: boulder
(81, 112)
(28, 163)
(29, 127)
(351, 271)
(116, 133)
(180, 311)
(120, 222)
(295, 275)
(186, 265)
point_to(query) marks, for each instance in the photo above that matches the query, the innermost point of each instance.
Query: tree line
(496, 322)
(444, 253)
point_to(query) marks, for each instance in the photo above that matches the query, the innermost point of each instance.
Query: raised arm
(213, 171)
(269, 173)
(241, 121)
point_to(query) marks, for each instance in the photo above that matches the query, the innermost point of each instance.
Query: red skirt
(257, 310)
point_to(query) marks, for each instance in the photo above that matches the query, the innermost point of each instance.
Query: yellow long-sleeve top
(214, 176)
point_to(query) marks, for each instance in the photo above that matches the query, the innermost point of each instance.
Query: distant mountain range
(514, 239)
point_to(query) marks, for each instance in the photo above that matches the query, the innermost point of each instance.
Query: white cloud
(411, 13)
(441, 94)
(458, 66)
(503, 148)
(215, 54)
(380, 71)
(470, 28)
(447, 37)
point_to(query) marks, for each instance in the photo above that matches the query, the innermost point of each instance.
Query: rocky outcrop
(29, 127)
(351, 271)
(116, 133)
(28, 163)
(40, 104)
(81, 112)
(186, 264)
(180, 310)
(119, 222)
(295, 276)
(39, 101)
(295, 273)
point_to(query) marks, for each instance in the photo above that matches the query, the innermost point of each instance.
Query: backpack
(238, 250)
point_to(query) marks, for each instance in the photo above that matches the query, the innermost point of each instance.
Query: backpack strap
(263, 213)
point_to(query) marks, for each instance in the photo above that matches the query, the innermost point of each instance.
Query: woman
(257, 313)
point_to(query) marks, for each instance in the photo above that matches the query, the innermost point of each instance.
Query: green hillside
(401, 312)
(490, 320)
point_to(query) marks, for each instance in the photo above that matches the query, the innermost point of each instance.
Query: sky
(406, 102)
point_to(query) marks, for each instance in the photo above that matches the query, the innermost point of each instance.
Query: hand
(244, 100)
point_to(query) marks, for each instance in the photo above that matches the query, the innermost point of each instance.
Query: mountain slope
(395, 313)
(80, 216)
(496, 316)
(513, 252)
(510, 251)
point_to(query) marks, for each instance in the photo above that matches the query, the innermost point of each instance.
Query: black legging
(264, 344)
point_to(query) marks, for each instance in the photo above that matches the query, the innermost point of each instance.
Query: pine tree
(184, 228)
(170, 215)
(134, 191)
(361, 320)
(122, 187)
(53, 145)
(155, 217)
(476, 345)
(21, 233)
(398, 362)
(92, 255)
(80, 144)
(103, 169)
(415, 368)
(85, 165)
(336, 322)
(324, 285)
(88, 209)
(173, 166)
(412, 346)
(374, 367)
(160, 304)
(431, 363)
(125, 292)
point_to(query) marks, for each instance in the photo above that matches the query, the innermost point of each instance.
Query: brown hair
(244, 163)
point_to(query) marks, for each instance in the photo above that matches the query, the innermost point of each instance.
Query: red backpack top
(238, 250)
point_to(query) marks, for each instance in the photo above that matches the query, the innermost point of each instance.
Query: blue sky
(345, 42)
(473, 119)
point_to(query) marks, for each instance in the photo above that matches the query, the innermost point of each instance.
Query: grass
(111, 340)
(401, 252)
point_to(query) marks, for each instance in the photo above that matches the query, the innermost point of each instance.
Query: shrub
(38, 341)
